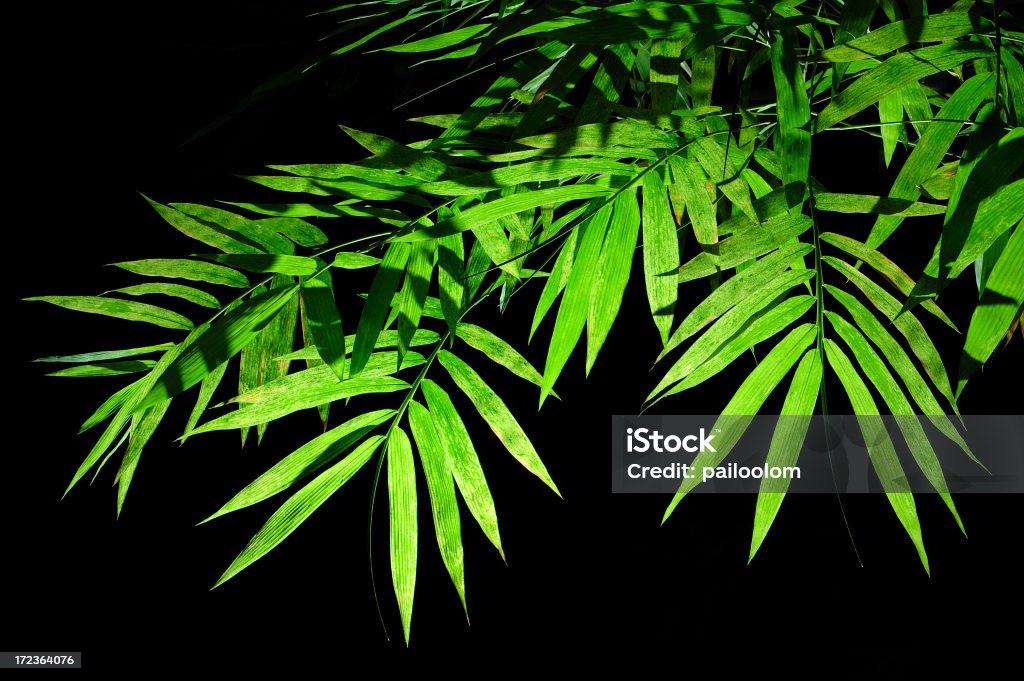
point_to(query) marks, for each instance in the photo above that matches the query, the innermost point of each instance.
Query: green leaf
(418, 272)
(760, 328)
(128, 310)
(450, 271)
(300, 506)
(1000, 300)
(572, 313)
(144, 424)
(112, 404)
(463, 461)
(793, 148)
(498, 351)
(890, 114)
(787, 441)
(491, 211)
(193, 270)
(906, 323)
(258, 365)
(438, 42)
(895, 73)
(908, 423)
(324, 323)
(253, 230)
(627, 133)
(415, 162)
(219, 342)
(106, 369)
(746, 245)
(207, 388)
(194, 229)
(444, 505)
(497, 416)
(880, 448)
(942, 27)
(275, 399)
(192, 295)
(861, 203)
(378, 303)
(613, 269)
(557, 278)
(661, 254)
(735, 290)
(887, 268)
(403, 534)
(106, 354)
(304, 461)
(746, 402)
(282, 264)
(929, 151)
(354, 261)
(900, 361)
(730, 323)
(698, 194)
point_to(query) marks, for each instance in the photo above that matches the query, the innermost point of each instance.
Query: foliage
(667, 141)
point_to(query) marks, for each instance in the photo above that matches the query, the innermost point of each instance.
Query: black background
(105, 99)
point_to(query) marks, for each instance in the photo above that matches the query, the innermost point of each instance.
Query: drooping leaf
(1000, 301)
(371, 321)
(498, 351)
(747, 401)
(324, 321)
(661, 253)
(880, 448)
(444, 506)
(745, 246)
(497, 416)
(613, 267)
(404, 532)
(105, 355)
(300, 506)
(199, 231)
(132, 366)
(787, 441)
(418, 272)
(463, 461)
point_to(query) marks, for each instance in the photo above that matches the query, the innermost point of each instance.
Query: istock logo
(643, 439)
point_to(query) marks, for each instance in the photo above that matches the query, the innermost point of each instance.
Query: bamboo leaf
(324, 323)
(418, 273)
(498, 351)
(880, 448)
(613, 267)
(128, 310)
(404, 533)
(746, 402)
(218, 343)
(371, 321)
(463, 461)
(661, 254)
(282, 264)
(194, 229)
(106, 354)
(415, 162)
(793, 148)
(133, 366)
(171, 268)
(745, 246)
(572, 313)
(192, 295)
(450, 271)
(444, 506)
(876, 371)
(497, 416)
(895, 73)
(733, 291)
(354, 261)
(887, 268)
(300, 506)
(490, 211)
(144, 424)
(889, 38)
(906, 323)
(787, 440)
(1000, 300)
(731, 322)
